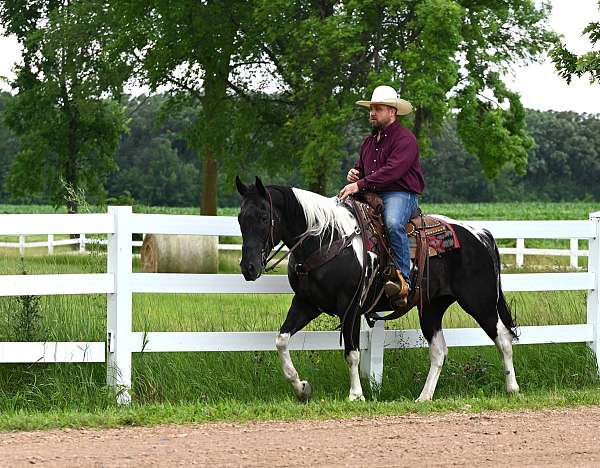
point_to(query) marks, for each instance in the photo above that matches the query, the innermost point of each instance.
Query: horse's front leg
(299, 315)
(351, 332)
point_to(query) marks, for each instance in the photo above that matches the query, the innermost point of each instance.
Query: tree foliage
(157, 167)
(266, 83)
(568, 64)
(193, 48)
(68, 131)
(563, 164)
(443, 56)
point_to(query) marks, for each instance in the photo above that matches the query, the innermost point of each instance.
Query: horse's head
(257, 223)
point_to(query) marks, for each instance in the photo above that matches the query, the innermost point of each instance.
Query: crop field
(180, 387)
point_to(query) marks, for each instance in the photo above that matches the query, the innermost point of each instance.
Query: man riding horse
(389, 165)
(329, 265)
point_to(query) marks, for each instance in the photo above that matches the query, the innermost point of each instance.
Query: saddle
(428, 237)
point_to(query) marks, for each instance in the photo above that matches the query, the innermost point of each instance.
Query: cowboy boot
(397, 291)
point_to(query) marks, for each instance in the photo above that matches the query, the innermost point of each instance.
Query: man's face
(381, 116)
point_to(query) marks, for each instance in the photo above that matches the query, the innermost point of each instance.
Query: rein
(267, 268)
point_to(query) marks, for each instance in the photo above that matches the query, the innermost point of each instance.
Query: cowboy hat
(388, 96)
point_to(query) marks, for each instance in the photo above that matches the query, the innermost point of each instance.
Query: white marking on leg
(353, 360)
(504, 344)
(301, 388)
(437, 353)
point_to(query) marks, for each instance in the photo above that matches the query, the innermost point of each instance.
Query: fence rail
(120, 283)
(520, 251)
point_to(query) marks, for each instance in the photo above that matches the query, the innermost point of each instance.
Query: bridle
(269, 242)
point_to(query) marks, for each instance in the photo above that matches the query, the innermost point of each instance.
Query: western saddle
(428, 236)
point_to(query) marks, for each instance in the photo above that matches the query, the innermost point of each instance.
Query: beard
(376, 128)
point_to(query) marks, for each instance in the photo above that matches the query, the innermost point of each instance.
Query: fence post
(593, 297)
(81, 243)
(21, 245)
(520, 257)
(50, 244)
(118, 369)
(371, 359)
(574, 248)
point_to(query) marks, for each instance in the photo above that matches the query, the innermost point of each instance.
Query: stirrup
(400, 286)
(399, 302)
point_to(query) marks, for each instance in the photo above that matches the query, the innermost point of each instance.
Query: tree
(433, 49)
(193, 48)
(326, 54)
(319, 55)
(68, 129)
(9, 145)
(154, 162)
(569, 64)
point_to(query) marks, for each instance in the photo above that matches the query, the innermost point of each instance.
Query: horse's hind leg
(431, 326)
(299, 315)
(504, 344)
(351, 332)
(488, 307)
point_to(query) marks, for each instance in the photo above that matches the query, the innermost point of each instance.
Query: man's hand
(347, 191)
(353, 175)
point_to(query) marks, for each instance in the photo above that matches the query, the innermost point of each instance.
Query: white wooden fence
(520, 251)
(120, 283)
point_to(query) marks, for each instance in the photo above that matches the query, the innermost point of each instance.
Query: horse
(307, 222)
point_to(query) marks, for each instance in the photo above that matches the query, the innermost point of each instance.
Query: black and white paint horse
(469, 276)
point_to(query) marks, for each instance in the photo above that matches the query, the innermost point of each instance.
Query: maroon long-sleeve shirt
(392, 163)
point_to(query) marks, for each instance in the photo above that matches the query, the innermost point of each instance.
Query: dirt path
(547, 438)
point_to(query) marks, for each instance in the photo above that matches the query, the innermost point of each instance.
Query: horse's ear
(260, 187)
(241, 188)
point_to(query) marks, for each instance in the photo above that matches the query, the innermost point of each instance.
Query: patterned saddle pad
(441, 236)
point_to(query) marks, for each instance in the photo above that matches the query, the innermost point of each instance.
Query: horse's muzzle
(250, 270)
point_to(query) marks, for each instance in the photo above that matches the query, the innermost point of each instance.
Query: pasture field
(483, 211)
(459, 211)
(187, 387)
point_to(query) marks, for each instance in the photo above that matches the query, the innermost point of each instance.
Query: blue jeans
(398, 208)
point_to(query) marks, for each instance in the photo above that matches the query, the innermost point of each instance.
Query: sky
(538, 84)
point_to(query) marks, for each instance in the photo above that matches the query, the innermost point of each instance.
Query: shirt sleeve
(403, 155)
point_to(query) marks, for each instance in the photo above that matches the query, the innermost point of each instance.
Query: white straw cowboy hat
(388, 96)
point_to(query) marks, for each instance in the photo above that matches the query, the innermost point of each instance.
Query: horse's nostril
(251, 268)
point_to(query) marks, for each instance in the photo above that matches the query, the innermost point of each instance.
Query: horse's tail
(502, 306)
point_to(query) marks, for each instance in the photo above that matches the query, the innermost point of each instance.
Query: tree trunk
(319, 185)
(71, 165)
(215, 111)
(208, 203)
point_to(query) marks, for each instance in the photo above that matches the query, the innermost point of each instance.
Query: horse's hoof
(422, 399)
(305, 393)
(353, 397)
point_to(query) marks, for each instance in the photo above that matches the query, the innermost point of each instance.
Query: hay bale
(180, 254)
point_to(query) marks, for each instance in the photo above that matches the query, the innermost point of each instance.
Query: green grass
(196, 387)
(464, 211)
(183, 387)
